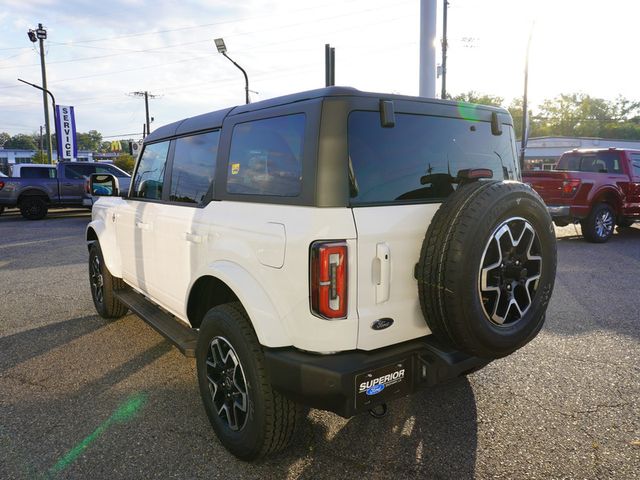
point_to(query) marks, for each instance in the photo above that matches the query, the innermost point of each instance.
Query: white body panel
(261, 251)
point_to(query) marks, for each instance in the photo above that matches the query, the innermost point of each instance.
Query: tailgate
(386, 261)
(548, 185)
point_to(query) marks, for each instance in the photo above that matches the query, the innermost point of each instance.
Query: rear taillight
(570, 187)
(328, 282)
(1, 184)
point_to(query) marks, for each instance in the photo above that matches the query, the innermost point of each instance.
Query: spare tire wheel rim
(510, 271)
(227, 384)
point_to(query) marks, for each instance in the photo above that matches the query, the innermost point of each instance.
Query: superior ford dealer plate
(382, 384)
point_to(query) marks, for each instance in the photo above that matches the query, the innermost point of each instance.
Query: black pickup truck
(36, 188)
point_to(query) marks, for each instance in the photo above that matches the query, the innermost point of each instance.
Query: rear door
(401, 175)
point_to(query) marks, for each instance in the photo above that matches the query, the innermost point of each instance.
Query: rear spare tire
(487, 268)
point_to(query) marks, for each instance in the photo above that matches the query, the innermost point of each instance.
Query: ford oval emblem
(375, 389)
(382, 323)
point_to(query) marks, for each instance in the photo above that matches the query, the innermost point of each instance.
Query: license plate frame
(384, 383)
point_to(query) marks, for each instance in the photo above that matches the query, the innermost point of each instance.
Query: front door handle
(142, 225)
(383, 284)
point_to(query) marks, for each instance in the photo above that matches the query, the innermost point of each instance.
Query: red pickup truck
(598, 188)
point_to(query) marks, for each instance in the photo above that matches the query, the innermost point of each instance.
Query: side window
(111, 170)
(37, 172)
(266, 157)
(78, 172)
(635, 164)
(149, 177)
(194, 164)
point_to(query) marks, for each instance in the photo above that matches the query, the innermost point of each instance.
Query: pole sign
(66, 129)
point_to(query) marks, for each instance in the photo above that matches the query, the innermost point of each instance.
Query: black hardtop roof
(214, 119)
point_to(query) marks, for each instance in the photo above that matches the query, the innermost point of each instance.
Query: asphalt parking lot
(81, 397)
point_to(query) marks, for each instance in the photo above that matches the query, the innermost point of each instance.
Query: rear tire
(598, 226)
(104, 285)
(34, 208)
(249, 417)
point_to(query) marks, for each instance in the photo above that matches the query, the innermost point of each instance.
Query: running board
(180, 335)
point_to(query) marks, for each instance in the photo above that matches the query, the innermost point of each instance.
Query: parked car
(333, 248)
(597, 188)
(34, 188)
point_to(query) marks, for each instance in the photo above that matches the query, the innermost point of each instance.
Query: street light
(222, 48)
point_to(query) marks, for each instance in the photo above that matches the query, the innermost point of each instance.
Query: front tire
(34, 208)
(249, 417)
(104, 286)
(598, 226)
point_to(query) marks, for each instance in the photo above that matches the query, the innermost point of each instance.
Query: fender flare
(607, 192)
(32, 191)
(264, 317)
(96, 230)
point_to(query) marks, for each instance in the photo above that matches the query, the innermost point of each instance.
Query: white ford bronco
(332, 249)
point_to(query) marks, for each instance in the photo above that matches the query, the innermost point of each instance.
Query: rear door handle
(193, 237)
(383, 284)
(142, 225)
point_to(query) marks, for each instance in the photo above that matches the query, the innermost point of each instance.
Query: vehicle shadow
(432, 434)
(20, 347)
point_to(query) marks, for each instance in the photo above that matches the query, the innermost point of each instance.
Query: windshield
(420, 158)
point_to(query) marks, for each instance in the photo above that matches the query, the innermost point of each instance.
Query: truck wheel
(33, 208)
(487, 268)
(104, 285)
(598, 226)
(249, 417)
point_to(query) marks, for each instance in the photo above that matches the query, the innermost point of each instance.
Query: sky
(97, 53)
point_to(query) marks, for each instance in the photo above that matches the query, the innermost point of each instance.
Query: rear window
(597, 162)
(37, 172)
(419, 159)
(635, 164)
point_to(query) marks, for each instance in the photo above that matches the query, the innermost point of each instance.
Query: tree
(91, 140)
(480, 98)
(40, 157)
(4, 138)
(125, 162)
(21, 141)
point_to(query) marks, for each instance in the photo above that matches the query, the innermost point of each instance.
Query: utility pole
(146, 96)
(428, 12)
(329, 65)
(39, 35)
(444, 48)
(525, 110)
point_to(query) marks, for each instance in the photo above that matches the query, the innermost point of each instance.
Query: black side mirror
(103, 185)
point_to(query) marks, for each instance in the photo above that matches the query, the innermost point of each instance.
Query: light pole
(55, 120)
(39, 35)
(223, 50)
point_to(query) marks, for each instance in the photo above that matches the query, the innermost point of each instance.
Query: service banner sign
(66, 133)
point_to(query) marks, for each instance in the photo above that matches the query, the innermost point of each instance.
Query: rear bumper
(559, 210)
(345, 383)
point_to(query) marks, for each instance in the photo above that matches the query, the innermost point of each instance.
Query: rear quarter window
(419, 158)
(266, 157)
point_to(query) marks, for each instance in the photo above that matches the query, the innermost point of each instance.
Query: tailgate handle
(192, 237)
(383, 284)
